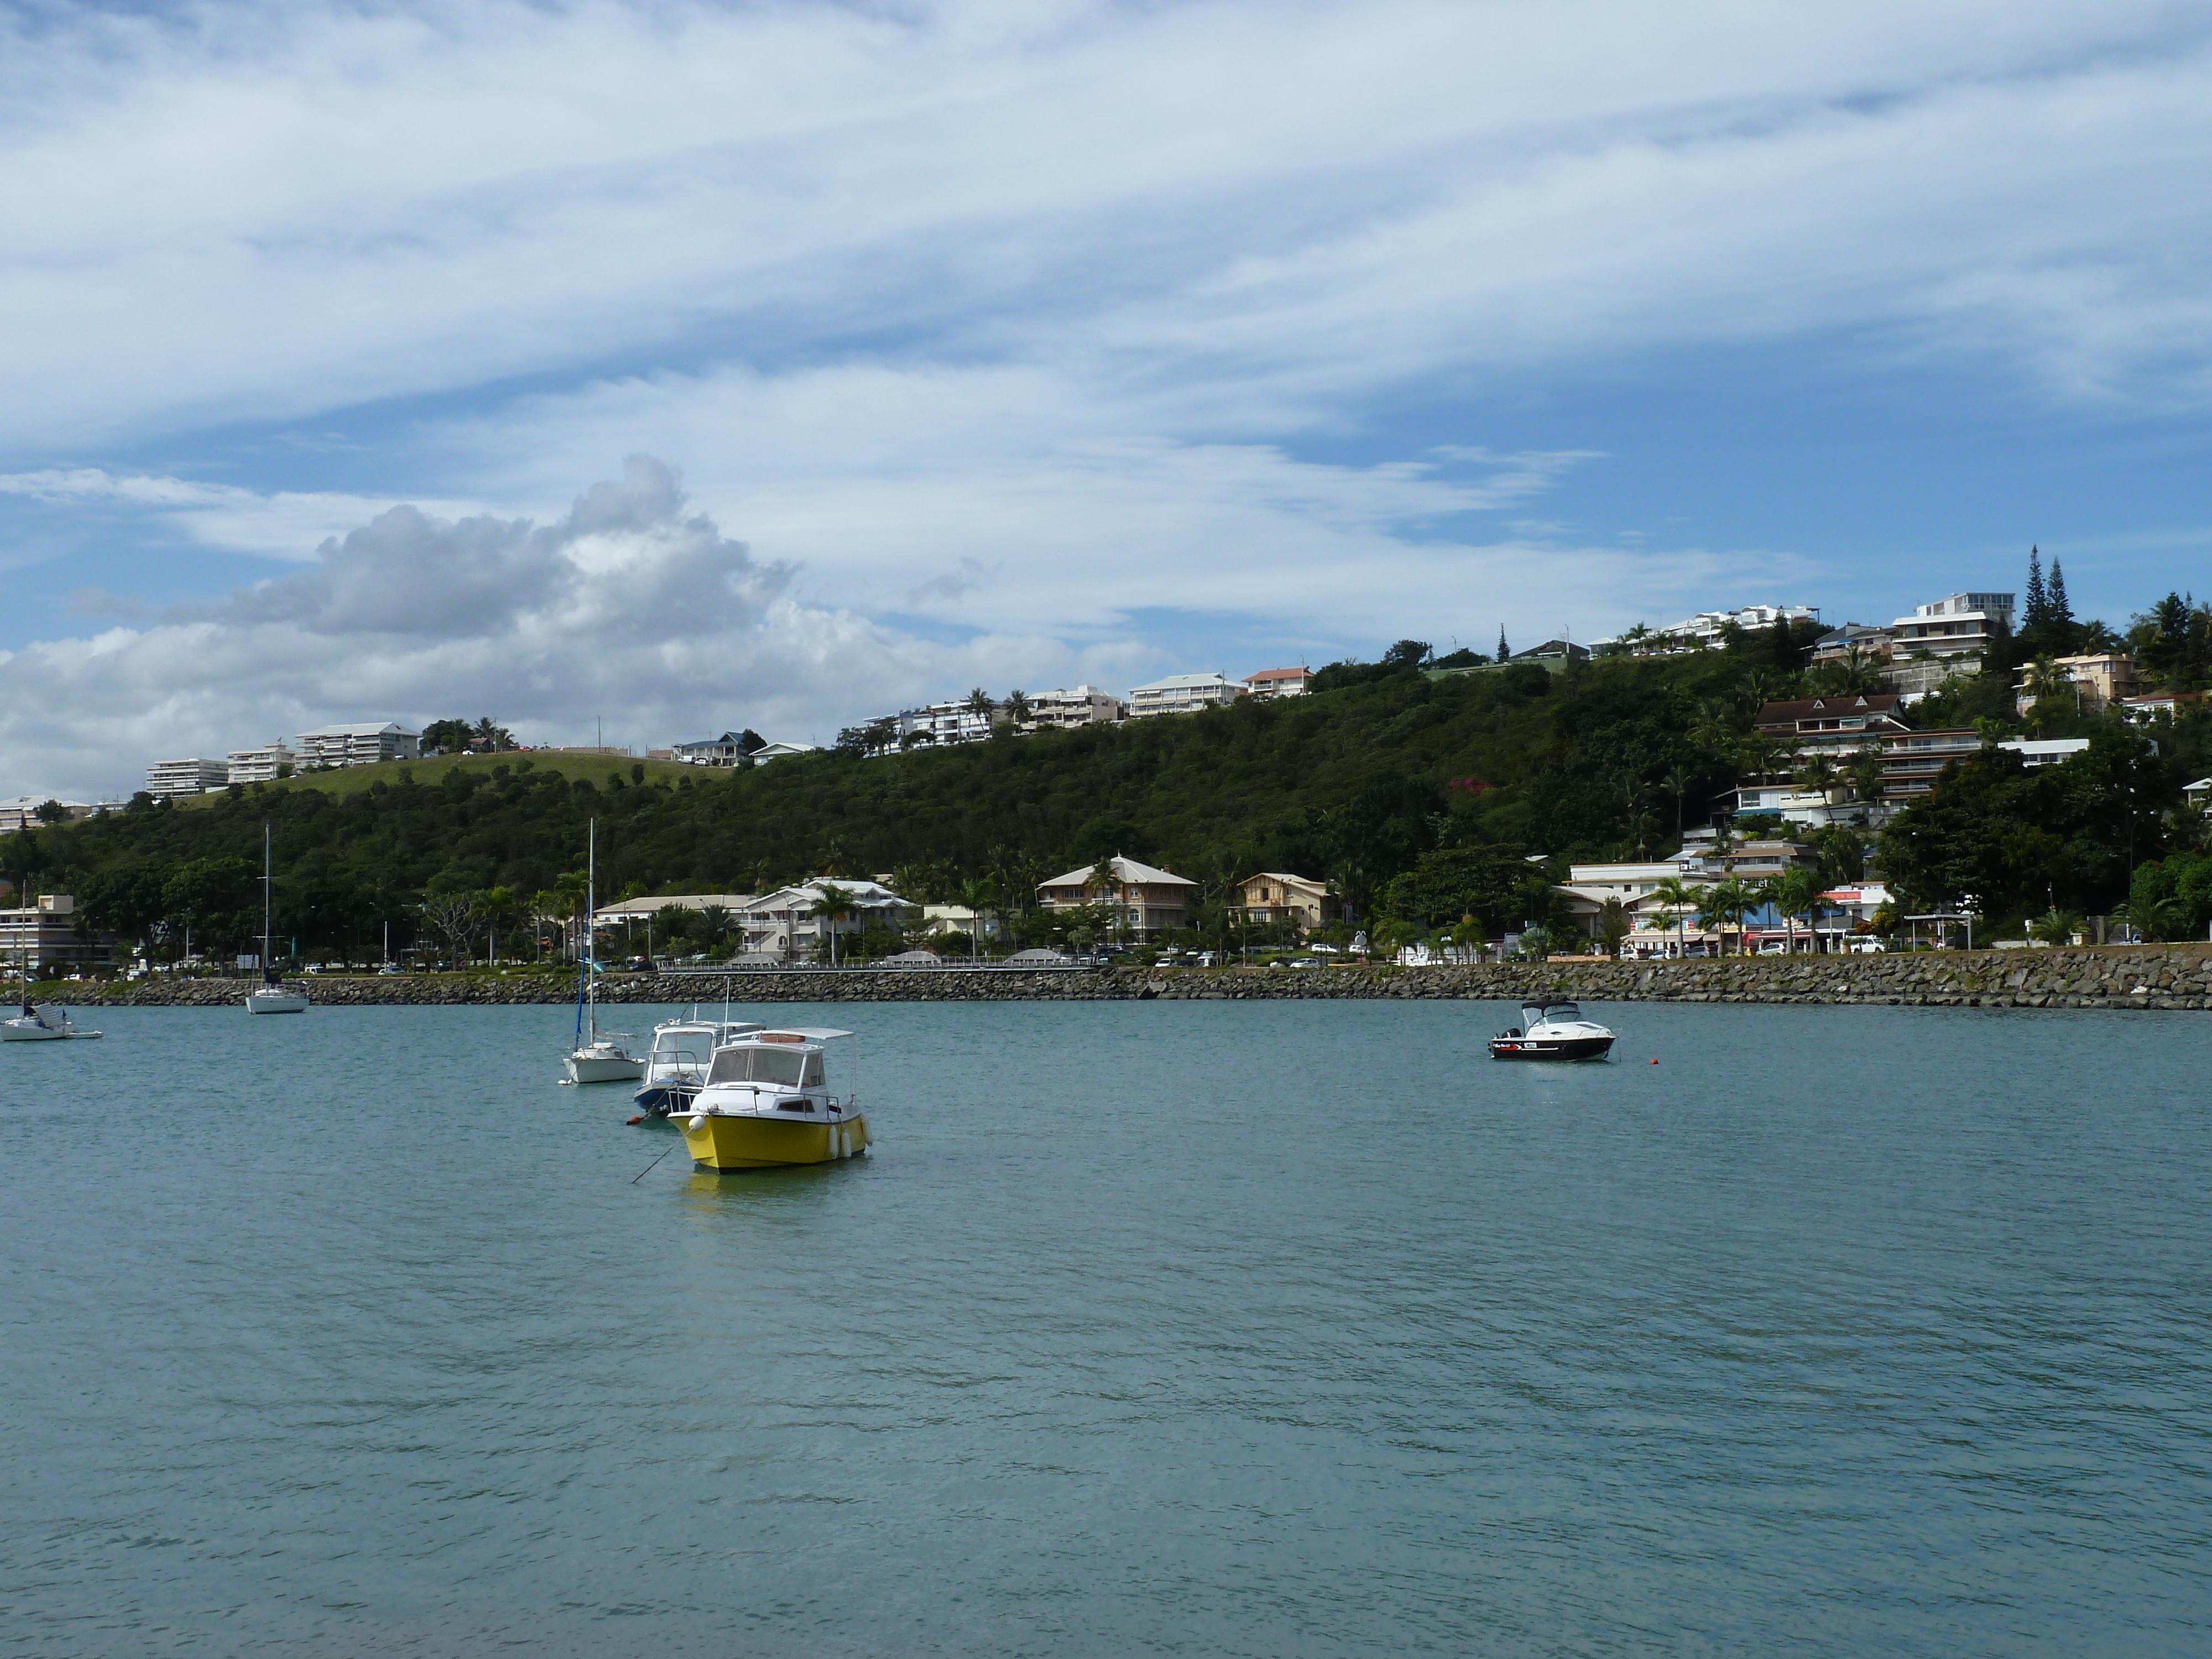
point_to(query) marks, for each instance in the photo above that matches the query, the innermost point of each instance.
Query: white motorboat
(676, 1065)
(271, 997)
(1552, 1030)
(42, 1024)
(598, 1056)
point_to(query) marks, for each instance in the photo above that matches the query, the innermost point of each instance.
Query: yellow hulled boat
(766, 1105)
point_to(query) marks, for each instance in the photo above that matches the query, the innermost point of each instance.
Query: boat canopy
(1532, 1011)
(749, 1062)
(800, 1033)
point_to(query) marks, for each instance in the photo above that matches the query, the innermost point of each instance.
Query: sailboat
(272, 998)
(596, 1057)
(43, 1022)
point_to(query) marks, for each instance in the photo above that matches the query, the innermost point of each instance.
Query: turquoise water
(1149, 1328)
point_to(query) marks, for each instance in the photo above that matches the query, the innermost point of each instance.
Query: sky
(668, 368)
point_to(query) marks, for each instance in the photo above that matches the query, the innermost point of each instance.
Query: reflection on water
(1177, 1329)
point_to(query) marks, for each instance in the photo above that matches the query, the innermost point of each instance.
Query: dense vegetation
(1427, 794)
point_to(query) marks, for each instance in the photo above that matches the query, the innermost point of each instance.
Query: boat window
(812, 1079)
(729, 1067)
(1562, 1011)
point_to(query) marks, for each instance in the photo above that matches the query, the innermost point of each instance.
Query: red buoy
(641, 1120)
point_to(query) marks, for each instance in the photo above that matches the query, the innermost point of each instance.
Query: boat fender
(698, 1122)
(637, 1120)
(1655, 1062)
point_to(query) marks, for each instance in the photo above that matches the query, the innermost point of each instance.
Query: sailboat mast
(268, 972)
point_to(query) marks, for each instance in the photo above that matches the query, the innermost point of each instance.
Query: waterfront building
(361, 744)
(43, 935)
(1275, 896)
(263, 765)
(1270, 683)
(781, 924)
(172, 780)
(1073, 706)
(1183, 694)
(1145, 900)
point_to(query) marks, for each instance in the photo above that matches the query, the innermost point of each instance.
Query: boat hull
(604, 1068)
(746, 1142)
(1593, 1047)
(662, 1099)
(275, 1002)
(24, 1031)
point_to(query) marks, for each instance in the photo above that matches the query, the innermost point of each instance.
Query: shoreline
(2173, 977)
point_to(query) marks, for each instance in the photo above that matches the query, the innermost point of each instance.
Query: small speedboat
(676, 1065)
(766, 1105)
(1552, 1030)
(43, 1024)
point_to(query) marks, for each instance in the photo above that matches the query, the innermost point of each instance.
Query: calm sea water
(1180, 1328)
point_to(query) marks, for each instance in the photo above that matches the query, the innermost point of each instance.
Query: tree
(1793, 893)
(1468, 936)
(2037, 611)
(490, 736)
(50, 812)
(978, 896)
(1408, 653)
(980, 705)
(447, 736)
(1504, 654)
(1678, 898)
(1819, 775)
(453, 916)
(835, 904)
(1018, 706)
(498, 907)
(1724, 905)
(1613, 926)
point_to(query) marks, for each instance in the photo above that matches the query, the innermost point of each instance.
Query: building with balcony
(22, 813)
(1842, 724)
(1947, 636)
(2038, 752)
(172, 780)
(1080, 705)
(43, 935)
(1912, 762)
(1183, 694)
(2094, 682)
(941, 723)
(1837, 643)
(1271, 682)
(363, 744)
(1274, 895)
(2144, 709)
(782, 924)
(263, 765)
(727, 749)
(1705, 631)
(1146, 900)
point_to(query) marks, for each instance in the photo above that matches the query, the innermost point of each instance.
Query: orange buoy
(641, 1119)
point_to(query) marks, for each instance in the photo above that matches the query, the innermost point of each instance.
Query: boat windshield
(793, 1068)
(1561, 1011)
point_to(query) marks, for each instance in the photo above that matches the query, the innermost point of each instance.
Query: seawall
(2173, 977)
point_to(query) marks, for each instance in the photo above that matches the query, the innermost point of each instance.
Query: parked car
(391, 967)
(639, 965)
(1868, 947)
(1306, 961)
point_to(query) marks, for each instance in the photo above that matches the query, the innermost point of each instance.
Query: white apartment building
(43, 934)
(23, 811)
(360, 745)
(171, 779)
(1081, 705)
(1270, 683)
(1957, 625)
(1183, 694)
(262, 765)
(1705, 630)
(780, 924)
(951, 722)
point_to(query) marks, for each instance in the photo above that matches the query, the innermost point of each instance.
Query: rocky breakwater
(2142, 976)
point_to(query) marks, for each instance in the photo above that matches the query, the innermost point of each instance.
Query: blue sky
(913, 347)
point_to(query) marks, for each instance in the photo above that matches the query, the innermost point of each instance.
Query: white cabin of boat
(774, 1073)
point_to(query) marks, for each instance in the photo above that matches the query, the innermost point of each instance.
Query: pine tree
(2039, 603)
(1503, 654)
(2062, 614)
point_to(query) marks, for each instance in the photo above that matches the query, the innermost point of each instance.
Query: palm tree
(835, 904)
(980, 705)
(1018, 706)
(1679, 896)
(1677, 783)
(1727, 901)
(977, 895)
(1797, 893)
(1102, 876)
(1819, 774)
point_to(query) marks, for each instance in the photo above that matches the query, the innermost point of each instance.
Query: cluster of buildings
(791, 923)
(361, 743)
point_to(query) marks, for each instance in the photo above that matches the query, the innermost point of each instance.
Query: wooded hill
(1422, 794)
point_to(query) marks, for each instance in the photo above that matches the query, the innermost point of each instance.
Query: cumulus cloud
(631, 605)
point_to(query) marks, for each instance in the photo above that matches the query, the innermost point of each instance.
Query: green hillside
(1380, 768)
